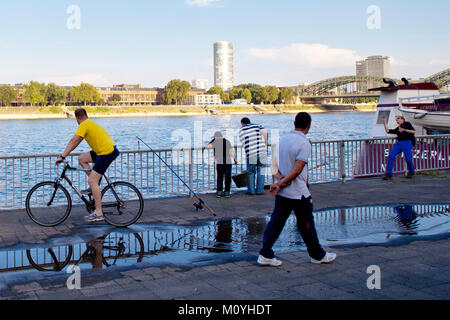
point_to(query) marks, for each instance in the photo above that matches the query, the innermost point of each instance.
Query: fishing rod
(198, 205)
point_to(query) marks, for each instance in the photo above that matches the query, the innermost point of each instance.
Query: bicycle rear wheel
(48, 204)
(122, 204)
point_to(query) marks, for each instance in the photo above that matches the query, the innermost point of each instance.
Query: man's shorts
(102, 163)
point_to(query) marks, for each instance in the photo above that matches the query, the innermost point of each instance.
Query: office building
(373, 66)
(204, 99)
(378, 66)
(200, 84)
(224, 65)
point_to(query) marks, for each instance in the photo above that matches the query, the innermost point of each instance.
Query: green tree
(224, 96)
(34, 93)
(286, 95)
(55, 95)
(269, 94)
(115, 99)
(176, 92)
(85, 93)
(255, 91)
(236, 93)
(7, 95)
(247, 95)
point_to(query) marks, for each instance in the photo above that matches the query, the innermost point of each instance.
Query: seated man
(103, 153)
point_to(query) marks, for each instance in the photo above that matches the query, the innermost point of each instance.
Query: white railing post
(191, 171)
(342, 161)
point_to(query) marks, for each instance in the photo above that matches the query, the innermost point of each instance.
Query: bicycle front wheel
(122, 204)
(48, 204)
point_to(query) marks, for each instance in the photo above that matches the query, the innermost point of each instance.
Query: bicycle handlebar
(67, 164)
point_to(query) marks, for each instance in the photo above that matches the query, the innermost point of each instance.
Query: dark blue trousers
(406, 148)
(303, 210)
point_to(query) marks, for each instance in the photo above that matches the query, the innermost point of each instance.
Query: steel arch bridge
(322, 87)
(441, 79)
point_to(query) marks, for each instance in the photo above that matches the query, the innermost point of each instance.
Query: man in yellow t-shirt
(103, 153)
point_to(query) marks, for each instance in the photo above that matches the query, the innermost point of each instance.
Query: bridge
(357, 86)
(441, 79)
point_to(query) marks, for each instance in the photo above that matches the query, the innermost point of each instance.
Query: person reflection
(223, 236)
(406, 219)
(94, 252)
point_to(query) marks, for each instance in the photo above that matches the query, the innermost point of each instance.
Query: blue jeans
(406, 148)
(254, 166)
(303, 210)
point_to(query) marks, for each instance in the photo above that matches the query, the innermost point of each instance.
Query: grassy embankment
(138, 111)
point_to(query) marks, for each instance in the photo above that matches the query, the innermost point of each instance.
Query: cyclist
(104, 152)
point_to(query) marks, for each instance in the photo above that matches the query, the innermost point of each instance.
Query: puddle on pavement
(101, 247)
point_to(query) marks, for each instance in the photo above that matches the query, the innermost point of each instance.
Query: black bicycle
(49, 203)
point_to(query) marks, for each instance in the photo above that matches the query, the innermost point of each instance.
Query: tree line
(40, 94)
(177, 92)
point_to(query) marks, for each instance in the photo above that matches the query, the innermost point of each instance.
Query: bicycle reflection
(101, 252)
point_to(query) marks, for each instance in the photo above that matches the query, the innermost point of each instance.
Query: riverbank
(34, 113)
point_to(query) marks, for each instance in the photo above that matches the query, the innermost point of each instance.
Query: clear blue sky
(281, 42)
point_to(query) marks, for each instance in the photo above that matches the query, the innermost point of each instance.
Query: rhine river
(30, 137)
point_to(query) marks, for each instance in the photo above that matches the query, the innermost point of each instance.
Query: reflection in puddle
(213, 240)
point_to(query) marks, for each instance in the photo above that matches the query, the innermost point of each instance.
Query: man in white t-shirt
(292, 194)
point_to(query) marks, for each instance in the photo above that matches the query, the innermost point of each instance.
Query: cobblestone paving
(418, 270)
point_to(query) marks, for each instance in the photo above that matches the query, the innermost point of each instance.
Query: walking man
(223, 154)
(292, 194)
(405, 133)
(255, 140)
(103, 153)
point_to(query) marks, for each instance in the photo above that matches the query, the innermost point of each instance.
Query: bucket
(241, 180)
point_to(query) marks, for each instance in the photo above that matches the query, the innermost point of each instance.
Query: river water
(28, 137)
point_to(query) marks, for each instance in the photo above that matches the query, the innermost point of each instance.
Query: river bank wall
(30, 113)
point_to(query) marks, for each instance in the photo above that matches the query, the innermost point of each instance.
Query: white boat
(419, 103)
(429, 113)
(432, 118)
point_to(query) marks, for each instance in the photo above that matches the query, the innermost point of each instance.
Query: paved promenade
(415, 270)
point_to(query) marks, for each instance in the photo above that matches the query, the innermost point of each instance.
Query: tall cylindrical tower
(224, 64)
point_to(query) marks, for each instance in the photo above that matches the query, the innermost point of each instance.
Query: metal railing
(329, 161)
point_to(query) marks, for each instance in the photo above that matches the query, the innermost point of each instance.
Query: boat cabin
(392, 98)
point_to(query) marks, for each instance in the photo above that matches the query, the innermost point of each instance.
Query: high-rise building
(373, 66)
(378, 66)
(224, 64)
(361, 68)
(200, 84)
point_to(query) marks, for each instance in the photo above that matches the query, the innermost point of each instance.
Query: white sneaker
(269, 262)
(329, 256)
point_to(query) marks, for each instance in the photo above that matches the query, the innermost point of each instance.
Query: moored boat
(426, 109)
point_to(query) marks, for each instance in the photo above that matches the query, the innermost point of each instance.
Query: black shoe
(387, 177)
(410, 175)
(219, 194)
(227, 195)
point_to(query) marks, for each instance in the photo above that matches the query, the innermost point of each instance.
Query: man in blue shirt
(292, 194)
